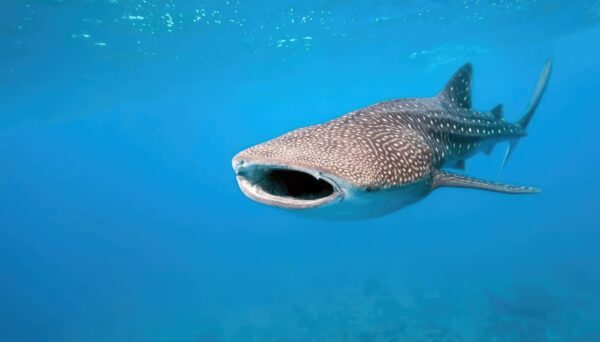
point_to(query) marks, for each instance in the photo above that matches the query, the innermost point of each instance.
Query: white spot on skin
(390, 143)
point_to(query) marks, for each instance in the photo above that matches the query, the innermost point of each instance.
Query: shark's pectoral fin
(448, 179)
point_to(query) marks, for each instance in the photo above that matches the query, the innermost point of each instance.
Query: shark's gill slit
(383, 157)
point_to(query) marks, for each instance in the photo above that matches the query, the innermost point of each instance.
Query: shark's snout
(285, 186)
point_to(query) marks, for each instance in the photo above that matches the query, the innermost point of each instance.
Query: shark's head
(330, 170)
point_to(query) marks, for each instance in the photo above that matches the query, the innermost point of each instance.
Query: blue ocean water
(120, 216)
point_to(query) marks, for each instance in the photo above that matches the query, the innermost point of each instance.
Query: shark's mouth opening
(296, 184)
(286, 187)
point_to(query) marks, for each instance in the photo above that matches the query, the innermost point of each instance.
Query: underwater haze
(121, 218)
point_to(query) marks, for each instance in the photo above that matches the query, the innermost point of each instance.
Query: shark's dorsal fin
(448, 179)
(497, 112)
(458, 90)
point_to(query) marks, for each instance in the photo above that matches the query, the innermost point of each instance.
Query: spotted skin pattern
(392, 143)
(398, 147)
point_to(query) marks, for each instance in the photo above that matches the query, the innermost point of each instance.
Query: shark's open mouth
(286, 187)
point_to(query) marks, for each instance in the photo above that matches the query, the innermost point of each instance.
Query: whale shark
(386, 156)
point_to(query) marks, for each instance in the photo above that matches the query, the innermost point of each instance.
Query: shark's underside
(380, 158)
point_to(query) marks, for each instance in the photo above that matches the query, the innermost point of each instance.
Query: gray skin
(378, 159)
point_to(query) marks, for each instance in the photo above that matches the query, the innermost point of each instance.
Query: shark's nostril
(237, 164)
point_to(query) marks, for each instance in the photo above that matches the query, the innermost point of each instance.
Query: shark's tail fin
(537, 95)
(533, 104)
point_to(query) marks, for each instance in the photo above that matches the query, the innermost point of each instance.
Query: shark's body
(383, 157)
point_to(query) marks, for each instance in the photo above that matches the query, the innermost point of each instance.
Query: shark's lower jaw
(287, 187)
